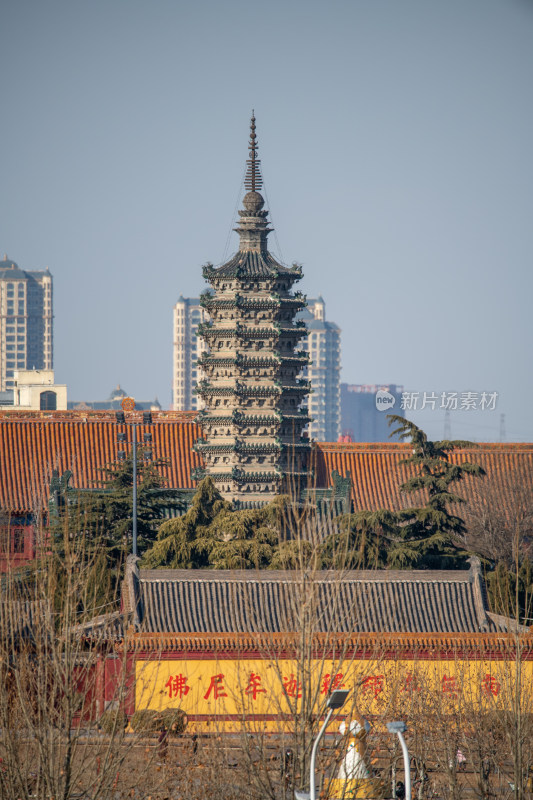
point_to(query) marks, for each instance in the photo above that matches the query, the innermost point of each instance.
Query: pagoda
(253, 417)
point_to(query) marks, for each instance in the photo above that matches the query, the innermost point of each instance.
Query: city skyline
(395, 149)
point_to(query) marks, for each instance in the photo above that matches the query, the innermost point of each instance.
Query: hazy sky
(395, 138)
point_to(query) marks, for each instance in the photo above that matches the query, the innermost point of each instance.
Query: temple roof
(376, 471)
(34, 444)
(242, 601)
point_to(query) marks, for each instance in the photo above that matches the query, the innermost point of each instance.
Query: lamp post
(128, 404)
(400, 728)
(335, 701)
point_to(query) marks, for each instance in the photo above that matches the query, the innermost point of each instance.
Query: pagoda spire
(253, 180)
(253, 224)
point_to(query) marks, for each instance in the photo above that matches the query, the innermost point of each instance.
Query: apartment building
(26, 321)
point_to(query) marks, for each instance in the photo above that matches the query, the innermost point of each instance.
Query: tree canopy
(213, 534)
(430, 535)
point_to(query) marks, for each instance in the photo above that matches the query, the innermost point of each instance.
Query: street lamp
(128, 404)
(335, 701)
(400, 728)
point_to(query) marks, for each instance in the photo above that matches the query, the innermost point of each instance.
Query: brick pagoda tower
(253, 419)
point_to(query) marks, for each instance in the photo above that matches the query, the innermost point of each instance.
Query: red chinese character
(373, 683)
(254, 685)
(449, 685)
(410, 685)
(329, 683)
(216, 687)
(292, 687)
(490, 685)
(177, 686)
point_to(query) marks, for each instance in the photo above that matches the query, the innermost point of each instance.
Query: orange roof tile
(34, 444)
(377, 473)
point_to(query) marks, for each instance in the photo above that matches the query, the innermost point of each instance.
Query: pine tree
(212, 534)
(429, 536)
(360, 540)
(186, 542)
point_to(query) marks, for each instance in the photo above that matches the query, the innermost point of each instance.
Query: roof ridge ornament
(253, 180)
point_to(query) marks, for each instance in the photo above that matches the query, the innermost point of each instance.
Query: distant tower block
(253, 418)
(26, 321)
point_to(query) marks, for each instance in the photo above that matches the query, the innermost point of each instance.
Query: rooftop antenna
(253, 180)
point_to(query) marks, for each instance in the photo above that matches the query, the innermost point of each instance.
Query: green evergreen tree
(360, 540)
(103, 518)
(212, 534)
(429, 536)
(186, 542)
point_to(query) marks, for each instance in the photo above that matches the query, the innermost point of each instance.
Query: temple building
(253, 417)
(232, 650)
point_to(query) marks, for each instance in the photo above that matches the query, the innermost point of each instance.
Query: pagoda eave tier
(237, 447)
(211, 303)
(239, 477)
(252, 266)
(208, 331)
(298, 416)
(207, 360)
(239, 419)
(239, 360)
(242, 391)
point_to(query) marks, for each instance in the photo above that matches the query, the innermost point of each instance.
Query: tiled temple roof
(33, 445)
(376, 472)
(19, 617)
(272, 602)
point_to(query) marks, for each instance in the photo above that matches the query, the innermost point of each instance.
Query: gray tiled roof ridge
(267, 575)
(269, 601)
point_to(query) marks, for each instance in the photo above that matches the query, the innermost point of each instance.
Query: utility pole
(128, 405)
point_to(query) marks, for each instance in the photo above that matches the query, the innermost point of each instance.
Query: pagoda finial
(253, 180)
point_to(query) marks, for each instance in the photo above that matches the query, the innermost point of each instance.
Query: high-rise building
(253, 418)
(323, 343)
(188, 314)
(364, 410)
(26, 321)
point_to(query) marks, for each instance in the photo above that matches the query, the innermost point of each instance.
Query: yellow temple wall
(226, 693)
